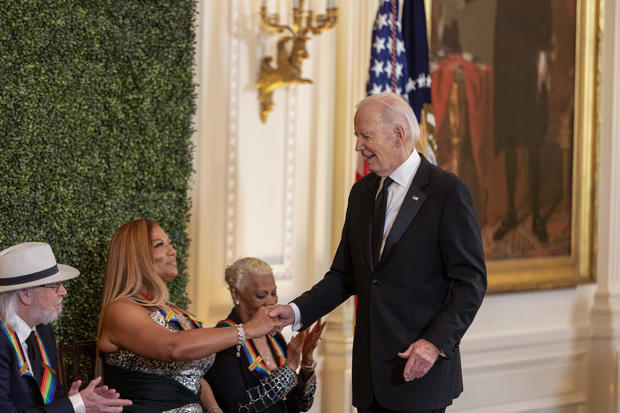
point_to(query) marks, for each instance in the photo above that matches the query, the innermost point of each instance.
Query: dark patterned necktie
(34, 355)
(378, 220)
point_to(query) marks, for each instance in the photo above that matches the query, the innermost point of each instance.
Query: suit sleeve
(463, 263)
(336, 286)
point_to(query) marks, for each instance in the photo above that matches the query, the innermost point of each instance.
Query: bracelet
(214, 407)
(311, 367)
(240, 337)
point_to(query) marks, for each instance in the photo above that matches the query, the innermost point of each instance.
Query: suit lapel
(409, 209)
(367, 206)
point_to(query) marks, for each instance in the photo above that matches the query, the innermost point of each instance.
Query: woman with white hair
(259, 375)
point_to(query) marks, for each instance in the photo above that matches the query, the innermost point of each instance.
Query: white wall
(273, 190)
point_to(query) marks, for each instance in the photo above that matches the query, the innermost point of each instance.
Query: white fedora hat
(29, 265)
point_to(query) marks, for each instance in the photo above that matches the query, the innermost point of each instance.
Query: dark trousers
(376, 408)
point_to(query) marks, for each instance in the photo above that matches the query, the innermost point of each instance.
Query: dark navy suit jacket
(429, 284)
(21, 393)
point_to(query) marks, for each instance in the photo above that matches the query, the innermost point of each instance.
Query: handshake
(269, 320)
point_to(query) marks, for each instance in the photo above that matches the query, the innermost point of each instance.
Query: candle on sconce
(331, 4)
(295, 4)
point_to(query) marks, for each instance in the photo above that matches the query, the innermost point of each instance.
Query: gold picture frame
(577, 264)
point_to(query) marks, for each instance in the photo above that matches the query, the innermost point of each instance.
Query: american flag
(416, 46)
(388, 64)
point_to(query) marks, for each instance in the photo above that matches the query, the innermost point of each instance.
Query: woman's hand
(294, 349)
(312, 340)
(261, 324)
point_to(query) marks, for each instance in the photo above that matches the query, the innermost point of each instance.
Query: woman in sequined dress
(153, 352)
(260, 375)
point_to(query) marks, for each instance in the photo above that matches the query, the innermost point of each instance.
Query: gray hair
(8, 308)
(238, 272)
(395, 110)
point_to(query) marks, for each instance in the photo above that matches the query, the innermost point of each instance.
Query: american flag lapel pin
(415, 197)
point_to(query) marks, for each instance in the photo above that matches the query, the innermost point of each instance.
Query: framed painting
(515, 101)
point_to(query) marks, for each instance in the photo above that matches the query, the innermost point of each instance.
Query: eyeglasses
(56, 286)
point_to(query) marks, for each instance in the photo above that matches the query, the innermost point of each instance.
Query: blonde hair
(130, 268)
(237, 274)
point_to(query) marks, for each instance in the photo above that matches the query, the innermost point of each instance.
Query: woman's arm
(128, 325)
(209, 404)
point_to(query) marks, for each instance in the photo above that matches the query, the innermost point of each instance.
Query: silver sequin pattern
(187, 373)
(188, 408)
(271, 389)
(308, 395)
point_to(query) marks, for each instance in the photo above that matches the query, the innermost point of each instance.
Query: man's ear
(399, 135)
(26, 296)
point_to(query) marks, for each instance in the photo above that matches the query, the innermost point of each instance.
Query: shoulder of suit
(46, 333)
(439, 175)
(365, 180)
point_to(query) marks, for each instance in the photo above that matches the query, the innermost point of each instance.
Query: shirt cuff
(297, 323)
(78, 403)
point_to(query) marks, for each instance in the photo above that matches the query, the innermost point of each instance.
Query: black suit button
(375, 281)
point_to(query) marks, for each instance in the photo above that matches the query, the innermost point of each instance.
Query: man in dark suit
(413, 255)
(31, 294)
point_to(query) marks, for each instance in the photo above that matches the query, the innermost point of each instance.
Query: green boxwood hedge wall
(96, 106)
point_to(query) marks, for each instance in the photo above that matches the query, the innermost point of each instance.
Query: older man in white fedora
(31, 294)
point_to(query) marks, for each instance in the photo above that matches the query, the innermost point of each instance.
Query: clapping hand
(310, 343)
(99, 399)
(295, 348)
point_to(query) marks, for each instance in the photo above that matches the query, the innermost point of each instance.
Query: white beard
(47, 317)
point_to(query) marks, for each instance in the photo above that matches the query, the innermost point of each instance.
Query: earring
(236, 302)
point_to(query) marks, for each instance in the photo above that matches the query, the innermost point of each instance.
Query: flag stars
(379, 44)
(377, 67)
(400, 47)
(375, 89)
(382, 21)
(410, 85)
(421, 80)
(399, 70)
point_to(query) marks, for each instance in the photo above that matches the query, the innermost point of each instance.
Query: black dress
(156, 385)
(237, 389)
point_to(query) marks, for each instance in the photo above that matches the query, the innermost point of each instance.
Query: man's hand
(284, 313)
(261, 323)
(421, 355)
(100, 399)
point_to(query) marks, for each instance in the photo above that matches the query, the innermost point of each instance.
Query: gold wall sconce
(291, 49)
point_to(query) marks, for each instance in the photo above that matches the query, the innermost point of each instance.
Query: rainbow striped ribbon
(169, 314)
(49, 381)
(255, 361)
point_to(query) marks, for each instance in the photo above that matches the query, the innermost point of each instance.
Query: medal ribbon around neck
(49, 381)
(169, 314)
(255, 361)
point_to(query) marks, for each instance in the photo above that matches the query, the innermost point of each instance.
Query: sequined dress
(155, 385)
